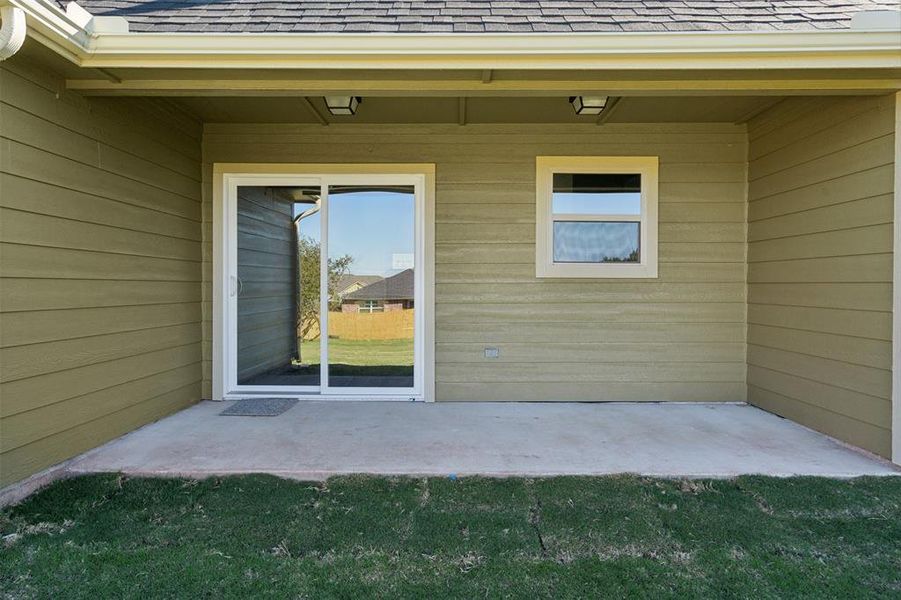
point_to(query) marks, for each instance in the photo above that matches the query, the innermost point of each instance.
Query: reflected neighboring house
(390, 293)
(347, 284)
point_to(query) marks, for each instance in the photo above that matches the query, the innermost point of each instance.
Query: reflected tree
(308, 257)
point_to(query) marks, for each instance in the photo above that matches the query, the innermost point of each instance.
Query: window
(596, 216)
(371, 306)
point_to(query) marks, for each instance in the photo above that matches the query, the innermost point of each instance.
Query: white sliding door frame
(227, 178)
(233, 282)
(417, 182)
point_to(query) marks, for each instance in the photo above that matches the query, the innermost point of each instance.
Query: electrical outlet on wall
(492, 352)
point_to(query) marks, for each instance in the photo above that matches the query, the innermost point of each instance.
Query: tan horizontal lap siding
(680, 337)
(820, 265)
(100, 259)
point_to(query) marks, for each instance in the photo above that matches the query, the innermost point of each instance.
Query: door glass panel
(371, 286)
(278, 285)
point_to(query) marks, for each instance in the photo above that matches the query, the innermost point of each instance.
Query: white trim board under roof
(444, 83)
(689, 50)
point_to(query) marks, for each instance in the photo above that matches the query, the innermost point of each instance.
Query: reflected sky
(617, 203)
(375, 228)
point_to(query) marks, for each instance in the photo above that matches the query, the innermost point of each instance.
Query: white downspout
(12, 32)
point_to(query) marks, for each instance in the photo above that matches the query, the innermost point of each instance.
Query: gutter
(54, 28)
(682, 50)
(105, 42)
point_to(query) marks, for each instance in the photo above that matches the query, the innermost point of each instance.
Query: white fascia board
(682, 50)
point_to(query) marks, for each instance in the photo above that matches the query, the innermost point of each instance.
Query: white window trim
(546, 166)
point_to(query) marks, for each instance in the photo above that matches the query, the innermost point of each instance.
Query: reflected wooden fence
(391, 325)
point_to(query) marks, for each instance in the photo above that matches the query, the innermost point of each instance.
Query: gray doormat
(259, 407)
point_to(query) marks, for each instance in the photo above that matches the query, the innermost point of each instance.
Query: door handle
(232, 285)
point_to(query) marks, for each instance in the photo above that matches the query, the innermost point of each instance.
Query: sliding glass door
(372, 286)
(325, 291)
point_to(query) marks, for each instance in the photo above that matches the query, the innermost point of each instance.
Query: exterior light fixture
(343, 105)
(588, 105)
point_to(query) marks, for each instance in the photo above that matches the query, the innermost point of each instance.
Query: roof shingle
(422, 16)
(397, 287)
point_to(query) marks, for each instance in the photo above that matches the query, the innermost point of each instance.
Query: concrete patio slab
(314, 440)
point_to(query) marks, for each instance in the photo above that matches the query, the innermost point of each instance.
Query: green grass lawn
(111, 537)
(363, 353)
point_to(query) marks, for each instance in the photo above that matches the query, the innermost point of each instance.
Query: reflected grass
(363, 353)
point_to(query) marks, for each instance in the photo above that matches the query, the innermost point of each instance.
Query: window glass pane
(371, 286)
(597, 194)
(596, 242)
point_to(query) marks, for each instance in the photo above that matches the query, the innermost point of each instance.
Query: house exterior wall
(100, 225)
(680, 337)
(820, 265)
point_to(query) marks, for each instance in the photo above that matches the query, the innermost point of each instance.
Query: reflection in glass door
(324, 285)
(278, 285)
(372, 286)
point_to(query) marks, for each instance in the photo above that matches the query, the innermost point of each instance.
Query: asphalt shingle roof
(396, 287)
(346, 281)
(492, 16)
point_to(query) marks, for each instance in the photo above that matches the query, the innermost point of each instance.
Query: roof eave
(619, 50)
(682, 50)
(53, 28)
